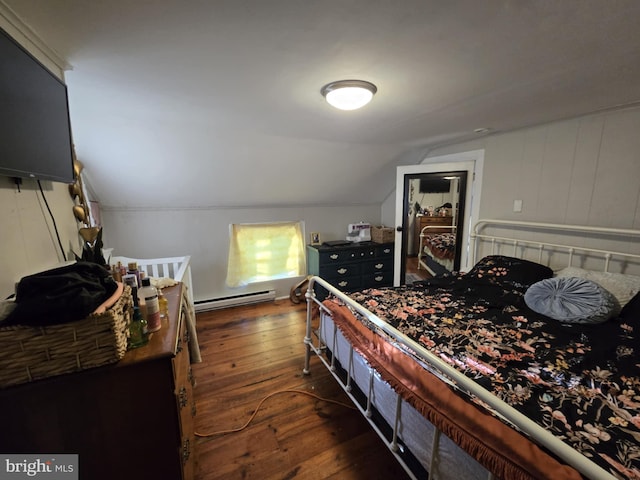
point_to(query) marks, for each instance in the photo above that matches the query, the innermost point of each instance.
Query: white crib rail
(177, 268)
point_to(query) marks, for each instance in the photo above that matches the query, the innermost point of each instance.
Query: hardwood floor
(251, 352)
(411, 267)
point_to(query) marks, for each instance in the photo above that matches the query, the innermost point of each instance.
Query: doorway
(463, 195)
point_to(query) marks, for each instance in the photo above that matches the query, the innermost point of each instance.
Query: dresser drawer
(380, 264)
(330, 272)
(378, 279)
(335, 257)
(348, 283)
(362, 253)
(424, 221)
(184, 398)
(181, 362)
(187, 455)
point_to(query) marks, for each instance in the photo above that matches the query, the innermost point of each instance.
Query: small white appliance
(359, 232)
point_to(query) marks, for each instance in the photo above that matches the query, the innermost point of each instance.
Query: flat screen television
(35, 131)
(434, 184)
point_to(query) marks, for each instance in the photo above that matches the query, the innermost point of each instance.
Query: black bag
(61, 295)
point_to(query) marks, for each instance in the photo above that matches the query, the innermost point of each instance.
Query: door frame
(473, 162)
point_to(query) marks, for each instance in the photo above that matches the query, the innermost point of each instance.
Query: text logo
(49, 467)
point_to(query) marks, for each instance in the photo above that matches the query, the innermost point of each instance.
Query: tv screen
(434, 184)
(35, 132)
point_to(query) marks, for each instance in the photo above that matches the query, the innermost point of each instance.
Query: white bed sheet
(414, 431)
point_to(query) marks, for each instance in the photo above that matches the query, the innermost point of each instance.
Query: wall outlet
(517, 205)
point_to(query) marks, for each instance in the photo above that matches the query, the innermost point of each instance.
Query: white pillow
(622, 286)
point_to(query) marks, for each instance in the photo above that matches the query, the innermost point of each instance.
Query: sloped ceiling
(205, 103)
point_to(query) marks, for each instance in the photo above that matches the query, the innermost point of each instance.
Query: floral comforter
(442, 245)
(581, 382)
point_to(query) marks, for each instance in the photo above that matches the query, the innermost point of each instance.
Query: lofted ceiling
(206, 103)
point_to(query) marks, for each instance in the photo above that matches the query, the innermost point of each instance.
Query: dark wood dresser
(431, 221)
(352, 267)
(130, 420)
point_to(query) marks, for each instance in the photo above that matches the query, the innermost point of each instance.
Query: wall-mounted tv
(35, 131)
(434, 184)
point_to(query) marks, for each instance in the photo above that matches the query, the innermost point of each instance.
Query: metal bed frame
(499, 244)
(423, 234)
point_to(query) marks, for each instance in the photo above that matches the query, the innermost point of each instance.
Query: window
(265, 251)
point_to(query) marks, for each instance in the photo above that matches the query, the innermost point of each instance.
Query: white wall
(27, 235)
(203, 233)
(583, 171)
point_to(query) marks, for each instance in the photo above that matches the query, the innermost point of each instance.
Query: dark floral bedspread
(581, 382)
(442, 245)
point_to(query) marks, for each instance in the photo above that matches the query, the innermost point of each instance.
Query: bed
(462, 378)
(437, 250)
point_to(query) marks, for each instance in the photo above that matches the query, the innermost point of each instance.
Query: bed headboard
(559, 245)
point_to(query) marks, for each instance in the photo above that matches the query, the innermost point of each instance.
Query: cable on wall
(55, 226)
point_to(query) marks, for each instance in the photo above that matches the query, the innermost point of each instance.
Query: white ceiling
(217, 102)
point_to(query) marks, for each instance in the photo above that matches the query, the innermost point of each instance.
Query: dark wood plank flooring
(251, 352)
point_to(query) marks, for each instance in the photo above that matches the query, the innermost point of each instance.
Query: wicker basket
(33, 353)
(382, 234)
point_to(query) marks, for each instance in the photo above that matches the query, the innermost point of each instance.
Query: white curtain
(265, 251)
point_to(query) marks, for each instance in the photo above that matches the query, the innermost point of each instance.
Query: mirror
(433, 223)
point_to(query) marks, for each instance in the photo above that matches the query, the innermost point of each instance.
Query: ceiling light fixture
(348, 94)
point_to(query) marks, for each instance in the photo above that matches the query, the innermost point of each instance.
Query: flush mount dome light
(348, 94)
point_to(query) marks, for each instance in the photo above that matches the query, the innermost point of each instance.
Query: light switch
(517, 205)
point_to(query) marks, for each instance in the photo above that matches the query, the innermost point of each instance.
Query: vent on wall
(234, 300)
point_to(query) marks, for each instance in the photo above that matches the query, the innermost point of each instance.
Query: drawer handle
(378, 266)
(387, 250)
(333, 256)
(182, 397)
(186, 451)
(379, 278)
(342, 271)
(343, 284)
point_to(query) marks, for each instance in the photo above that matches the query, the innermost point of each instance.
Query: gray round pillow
(571, 300)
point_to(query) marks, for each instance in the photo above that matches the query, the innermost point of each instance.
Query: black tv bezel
(42, 174)
(434, 183)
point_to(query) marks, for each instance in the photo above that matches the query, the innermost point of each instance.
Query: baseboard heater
(234, 300)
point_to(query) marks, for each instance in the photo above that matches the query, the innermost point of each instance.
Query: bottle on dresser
(138, 326)
(149, 294)
(132, 269)
(164, 305)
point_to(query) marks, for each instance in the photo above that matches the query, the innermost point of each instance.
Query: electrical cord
(289, 390)
(55, 226)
